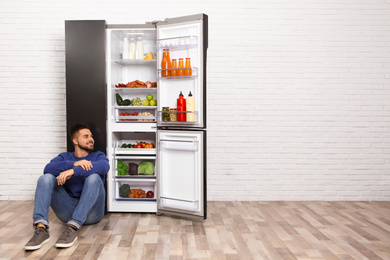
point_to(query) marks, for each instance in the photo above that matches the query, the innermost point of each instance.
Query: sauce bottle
(190, 106)
(180, 71)
(139, 49)
(166, 64)
(188, 70)
(174, 66)
(181, 106)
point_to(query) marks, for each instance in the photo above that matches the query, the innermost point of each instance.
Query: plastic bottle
(188, 70)
(132, 49)
(139, 49)
(181, 106)
(125, 52)
(180, 71)
(190, 106)
(174, 66)
(166, 64)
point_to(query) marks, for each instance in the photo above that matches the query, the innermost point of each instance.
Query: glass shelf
(184, 42)
(194, 74)
(136, 62)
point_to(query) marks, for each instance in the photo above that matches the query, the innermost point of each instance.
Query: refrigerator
(100, 75)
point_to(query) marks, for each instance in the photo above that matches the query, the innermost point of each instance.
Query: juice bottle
(188, 70)
(174, 66)
(166, 64)
(180, 71)
(181, 106)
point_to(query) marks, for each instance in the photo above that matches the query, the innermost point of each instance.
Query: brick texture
(298, 93)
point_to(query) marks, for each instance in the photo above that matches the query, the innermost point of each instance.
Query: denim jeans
(88, 209)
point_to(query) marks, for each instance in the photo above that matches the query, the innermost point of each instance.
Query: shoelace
(67, 233)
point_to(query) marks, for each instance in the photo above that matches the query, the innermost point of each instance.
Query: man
(73, 185)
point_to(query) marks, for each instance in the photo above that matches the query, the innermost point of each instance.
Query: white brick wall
(298, 93)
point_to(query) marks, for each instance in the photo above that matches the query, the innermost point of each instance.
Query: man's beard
(86, 148)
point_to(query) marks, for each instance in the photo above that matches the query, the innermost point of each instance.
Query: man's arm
(58, 165)
(100, 166)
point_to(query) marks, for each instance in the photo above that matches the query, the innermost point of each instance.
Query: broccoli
(124, 191)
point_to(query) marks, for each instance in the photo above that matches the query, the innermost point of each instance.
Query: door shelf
(194, 73)
(160, 117)
(125, 62)
(183, 42)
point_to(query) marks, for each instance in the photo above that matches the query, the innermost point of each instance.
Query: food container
(173, 114)
(165, 115)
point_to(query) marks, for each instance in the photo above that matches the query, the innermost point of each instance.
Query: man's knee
(93, 179)
(46, 180)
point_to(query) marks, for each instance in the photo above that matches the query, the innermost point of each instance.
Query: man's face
(84, 140)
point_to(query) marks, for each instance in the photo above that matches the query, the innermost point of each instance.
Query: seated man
(73, 185)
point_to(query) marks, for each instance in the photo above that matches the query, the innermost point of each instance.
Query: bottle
(188, 70)
(174, 66)
(190, 106)
(166, 64)
(181, 106)
(125, 52)
(180, 71)
(139, 49)
(132, 49)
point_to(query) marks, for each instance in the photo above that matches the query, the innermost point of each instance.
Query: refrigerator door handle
(179, 141)
(190, 201)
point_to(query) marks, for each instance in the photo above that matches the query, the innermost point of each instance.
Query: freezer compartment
(121, 138)
(136, 114)
(194, 73)
(167, 116)
(137, 190)
(182, 42)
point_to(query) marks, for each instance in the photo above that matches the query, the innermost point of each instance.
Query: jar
(173, 114)
(165, 115)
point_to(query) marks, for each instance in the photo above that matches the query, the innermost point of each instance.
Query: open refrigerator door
(182, 73)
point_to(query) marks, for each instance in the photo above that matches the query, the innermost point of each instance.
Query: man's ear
(75, 141)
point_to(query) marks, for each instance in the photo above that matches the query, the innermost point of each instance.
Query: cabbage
(146, 168)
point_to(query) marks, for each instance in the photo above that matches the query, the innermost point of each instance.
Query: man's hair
(77, 127)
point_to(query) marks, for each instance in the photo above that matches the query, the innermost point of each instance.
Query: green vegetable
(122, 168)
(124, 191)
(124, 146)
(119, 99)
(136, 102)
(146, 168)
(125, 102)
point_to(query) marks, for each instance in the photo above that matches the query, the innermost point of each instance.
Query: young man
(73, 185)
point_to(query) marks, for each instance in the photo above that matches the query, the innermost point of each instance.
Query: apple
(153, 102)
(145, 102)
(149, 97)
(150, 194)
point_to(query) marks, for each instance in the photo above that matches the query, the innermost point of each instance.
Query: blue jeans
(88, 209)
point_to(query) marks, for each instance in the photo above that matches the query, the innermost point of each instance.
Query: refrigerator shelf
(125, 62)
(135, 151)
(136, 199)
(160, 120)
(182, 42)
(135, 90)
(135, 107)
(136, 177)
(194, 74)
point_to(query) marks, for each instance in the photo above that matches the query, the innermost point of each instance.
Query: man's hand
(64, 176)
(86, 165)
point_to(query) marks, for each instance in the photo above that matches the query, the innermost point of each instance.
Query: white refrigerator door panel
(180, 172)
(180, 34)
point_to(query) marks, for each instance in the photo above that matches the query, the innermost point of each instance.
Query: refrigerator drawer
(135, 114)
(137, 190)
(122, 143)
(133, 162)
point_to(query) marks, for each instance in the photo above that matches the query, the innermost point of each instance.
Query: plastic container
(190, 106)
(181, 106)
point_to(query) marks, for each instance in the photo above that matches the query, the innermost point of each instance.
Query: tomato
(138, 146)
(135, 113)
(121, 114)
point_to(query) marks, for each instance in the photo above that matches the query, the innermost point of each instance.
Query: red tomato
(138, 146)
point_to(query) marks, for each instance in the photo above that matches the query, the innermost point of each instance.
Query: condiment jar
(173, 114)
(165, 115)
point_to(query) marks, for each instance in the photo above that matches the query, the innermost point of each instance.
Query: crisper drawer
(135, 190)
(125, 143)
(135, 114)
(135, 167)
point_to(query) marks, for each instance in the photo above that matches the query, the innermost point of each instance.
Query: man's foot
(67, 238)
(41, 236)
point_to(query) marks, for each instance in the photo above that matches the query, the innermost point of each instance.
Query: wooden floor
(233, 230)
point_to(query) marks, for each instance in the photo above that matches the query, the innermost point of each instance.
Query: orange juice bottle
(166, 64)
(188, 70)
(174, 66)
(180, 71)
